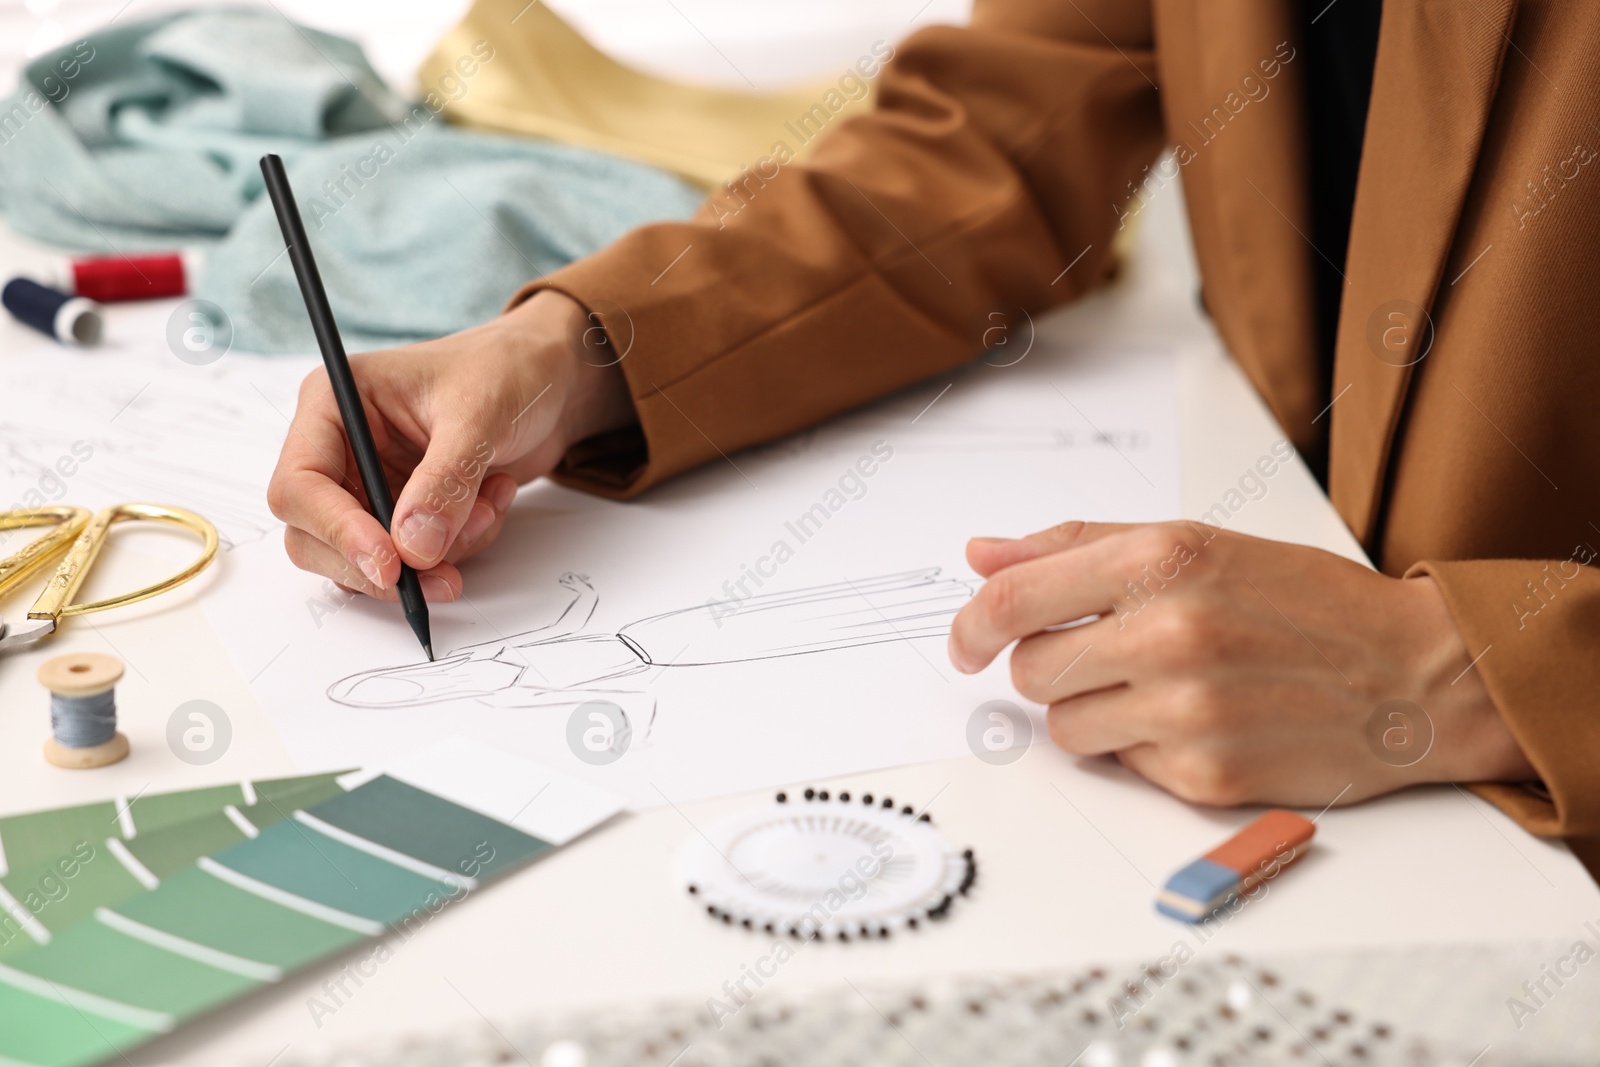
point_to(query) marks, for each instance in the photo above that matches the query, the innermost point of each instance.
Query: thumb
(989, 554)
(440, 495)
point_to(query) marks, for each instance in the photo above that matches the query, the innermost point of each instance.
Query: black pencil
(344, 383)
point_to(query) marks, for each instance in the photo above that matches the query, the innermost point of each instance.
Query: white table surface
(1060, 882)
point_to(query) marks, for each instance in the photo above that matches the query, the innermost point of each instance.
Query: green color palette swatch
(44, 836)
(90, 863)
(135, 960)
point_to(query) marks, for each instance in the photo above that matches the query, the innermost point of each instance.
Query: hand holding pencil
(457, 424)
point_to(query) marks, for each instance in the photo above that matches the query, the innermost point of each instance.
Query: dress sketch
(558, 665)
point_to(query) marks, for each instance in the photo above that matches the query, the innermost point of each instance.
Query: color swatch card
(74, 860)
(387, 854)
(42, 836)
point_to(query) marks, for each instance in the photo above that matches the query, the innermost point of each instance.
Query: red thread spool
(109, 279)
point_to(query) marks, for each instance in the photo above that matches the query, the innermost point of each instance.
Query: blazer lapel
(1233, 93)
(1438, 66)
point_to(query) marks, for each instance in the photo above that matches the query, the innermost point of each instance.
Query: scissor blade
(24, 633)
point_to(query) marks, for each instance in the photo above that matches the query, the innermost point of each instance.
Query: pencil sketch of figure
(556, 665)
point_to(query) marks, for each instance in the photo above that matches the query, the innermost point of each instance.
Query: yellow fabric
(545, 80)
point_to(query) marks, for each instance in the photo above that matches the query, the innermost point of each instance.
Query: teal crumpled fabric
(149, 135)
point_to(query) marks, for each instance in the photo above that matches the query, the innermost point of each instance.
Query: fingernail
(477, 524)
(436, 589)
(503, 493)
(424, 534)
(369, 567)
(993, 540)
(957, 660)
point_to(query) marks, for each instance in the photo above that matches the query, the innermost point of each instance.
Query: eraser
(72, 320)
(1252, 856)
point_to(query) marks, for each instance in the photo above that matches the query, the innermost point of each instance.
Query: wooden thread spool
(75, 681)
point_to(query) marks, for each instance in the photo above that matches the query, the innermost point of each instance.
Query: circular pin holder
(832, 867)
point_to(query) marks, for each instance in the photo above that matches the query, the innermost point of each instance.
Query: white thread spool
(74, 682)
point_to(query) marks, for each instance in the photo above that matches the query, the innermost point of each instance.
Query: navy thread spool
(83, 710)
(72, 320)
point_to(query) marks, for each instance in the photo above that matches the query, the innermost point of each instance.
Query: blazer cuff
(698, 405)
(1533, 627)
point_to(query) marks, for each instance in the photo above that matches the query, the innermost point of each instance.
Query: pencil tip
(429, 650)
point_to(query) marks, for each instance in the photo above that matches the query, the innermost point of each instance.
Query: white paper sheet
(770, 619)
(133, 422)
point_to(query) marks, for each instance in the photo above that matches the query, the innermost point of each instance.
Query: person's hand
(459, 422)
(1228, 669)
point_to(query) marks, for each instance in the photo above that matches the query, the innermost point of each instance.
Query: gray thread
(83, 722)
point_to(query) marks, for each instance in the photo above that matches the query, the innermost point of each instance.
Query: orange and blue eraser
(1252, 856)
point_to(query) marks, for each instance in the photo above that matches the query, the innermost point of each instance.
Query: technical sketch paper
(894, 488)
(100, 426)
(656, 605)
(561, 666)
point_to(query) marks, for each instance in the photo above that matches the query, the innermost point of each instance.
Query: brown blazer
(1462, 440)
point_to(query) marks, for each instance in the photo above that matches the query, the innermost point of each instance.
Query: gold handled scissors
(81, 535)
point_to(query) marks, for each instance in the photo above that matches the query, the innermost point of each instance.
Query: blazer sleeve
(997, 156)
(1534, 626)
